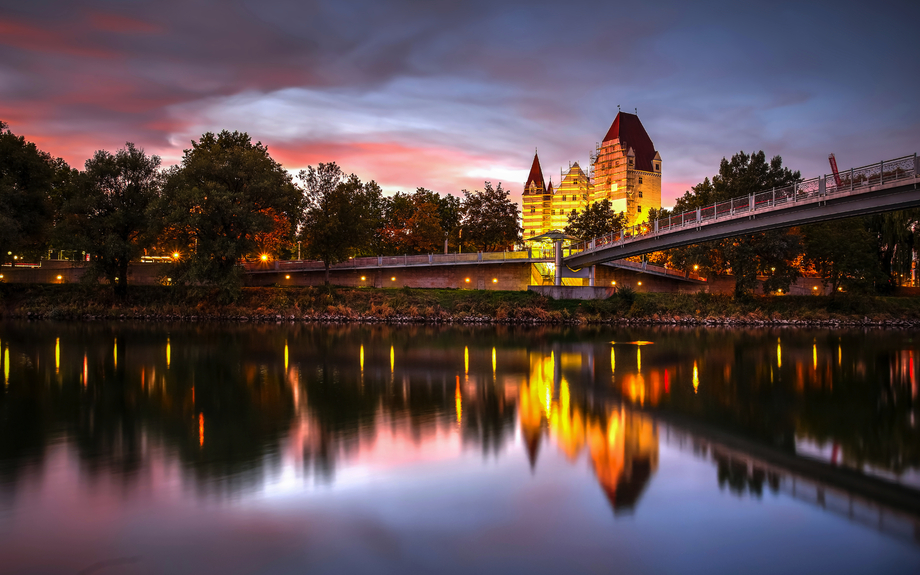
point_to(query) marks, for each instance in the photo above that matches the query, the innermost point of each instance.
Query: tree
(412, 223)
(339, 217)
(772, 254)
(30, 181)
(107, 214)
(595, 221)
(843, 253)
(215, 205)
(490, 220)
(896, 240)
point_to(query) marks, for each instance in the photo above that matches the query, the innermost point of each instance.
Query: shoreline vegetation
(445, 306)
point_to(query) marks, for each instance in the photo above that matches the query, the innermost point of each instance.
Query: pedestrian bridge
(881, 187)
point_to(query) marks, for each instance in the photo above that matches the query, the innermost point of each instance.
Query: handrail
(886, 171)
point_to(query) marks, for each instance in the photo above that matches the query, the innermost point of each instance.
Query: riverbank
(341, 304)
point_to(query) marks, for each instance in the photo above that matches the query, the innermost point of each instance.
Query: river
(292, 448)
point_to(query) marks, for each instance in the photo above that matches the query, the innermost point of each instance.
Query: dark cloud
(476, 82)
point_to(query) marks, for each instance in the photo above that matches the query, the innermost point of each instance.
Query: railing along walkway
(847, 182)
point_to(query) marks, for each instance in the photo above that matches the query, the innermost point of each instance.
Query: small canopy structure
(552, 236)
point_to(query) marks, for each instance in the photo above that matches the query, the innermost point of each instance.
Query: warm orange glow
(115, 353)
(467, 280)
(458, 399)
(695, 267)
(495, 280)
(287, 277)
(85, 371)
(466, 360)
(264, 257)
(393, 279)
(779, 354)
(363, 278)
(613, 283)
(494, 363)
(815, 288)
(361, 359)
(638, 358)
(814, 356)
(60, 277)
(6, 366)
(57, 355)
(613, 359)
(392, 359)
(696, 378)
(840, 355)
(167, 353)
(285, 355)
(201, 430)
(640, 283)
(175, 255)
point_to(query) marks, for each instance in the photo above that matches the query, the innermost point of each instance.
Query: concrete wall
(61, 271)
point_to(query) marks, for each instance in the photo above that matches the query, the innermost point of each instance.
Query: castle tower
(573, 193)
(536, 201)
(627, 169)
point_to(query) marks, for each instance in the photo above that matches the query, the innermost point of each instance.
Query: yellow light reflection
(115, 353)
(167, 353)
(638, 358)
(494, 363)
(814, 356)
(57, 355)
(85, 371)
(613, 359)
(392, 359)
(466, 360)
(696, 378)
(459, 401)
(361, 359)
(201, 430)
(285, 355)
(839, 355)
(6, 366)
(779, 355)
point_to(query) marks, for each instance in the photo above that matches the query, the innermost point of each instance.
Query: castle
(626, 171)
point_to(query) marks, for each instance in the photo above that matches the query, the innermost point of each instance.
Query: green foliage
(772, 254)
(412, 224)
(31, 183)
(490, 219)
(843, 253)
(897, 238)
(595, 221)
(226, 192)
(106, 215)
(625, 294)
(339, 216)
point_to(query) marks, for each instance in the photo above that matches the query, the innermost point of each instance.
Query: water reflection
(229, 411)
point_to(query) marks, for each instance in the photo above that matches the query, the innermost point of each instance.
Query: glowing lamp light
(467, 280)
(287, 277)
(363, 278)
(393, 279)
(1, 276)
(60, 277)
(495, 280)
(815, 288)
(613, 283)
(640, 283)
(264, 257)
(695, 267)
(175, 255)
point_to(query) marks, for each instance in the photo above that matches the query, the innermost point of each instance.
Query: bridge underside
(885, 198)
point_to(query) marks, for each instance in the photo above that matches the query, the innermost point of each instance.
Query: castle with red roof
(626, 171)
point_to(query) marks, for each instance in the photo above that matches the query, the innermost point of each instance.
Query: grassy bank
(436, 305)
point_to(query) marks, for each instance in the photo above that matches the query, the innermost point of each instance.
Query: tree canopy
(107, 213)
(595, 221)
(226, 193)
(490, 220)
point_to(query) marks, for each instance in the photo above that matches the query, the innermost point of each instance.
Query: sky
(447, 95)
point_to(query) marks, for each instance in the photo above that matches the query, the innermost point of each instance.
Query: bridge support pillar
(591, 277)
(557, 247)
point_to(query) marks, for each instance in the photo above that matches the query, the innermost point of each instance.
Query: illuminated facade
(626, 171)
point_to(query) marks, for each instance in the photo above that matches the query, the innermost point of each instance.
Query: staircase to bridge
(880, 187)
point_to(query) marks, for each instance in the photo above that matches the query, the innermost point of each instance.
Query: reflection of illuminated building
(622, 445)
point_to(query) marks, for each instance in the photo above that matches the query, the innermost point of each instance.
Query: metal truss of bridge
(881, 187)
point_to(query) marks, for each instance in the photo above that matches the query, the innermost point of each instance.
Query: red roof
(628, 129)
(536, 175)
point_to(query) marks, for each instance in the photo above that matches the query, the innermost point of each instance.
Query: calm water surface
(307, 449)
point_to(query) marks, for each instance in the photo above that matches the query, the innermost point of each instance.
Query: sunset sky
(447, 94)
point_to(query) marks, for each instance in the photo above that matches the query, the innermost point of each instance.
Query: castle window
(657, 167)
(639, 209)
(533, 210)
(640, 181)
(640, 191)
(563, 198)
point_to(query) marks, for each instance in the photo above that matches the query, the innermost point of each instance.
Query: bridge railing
(846, 181)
